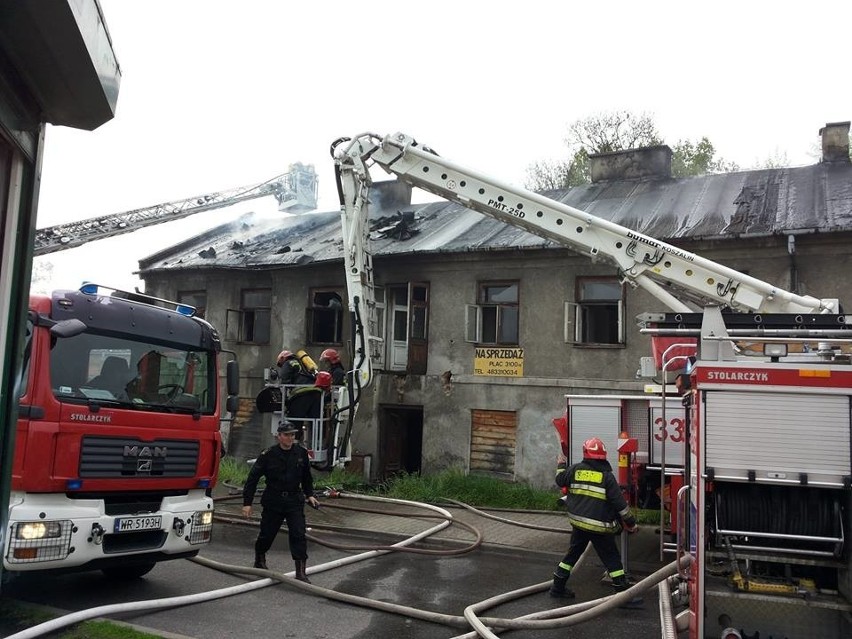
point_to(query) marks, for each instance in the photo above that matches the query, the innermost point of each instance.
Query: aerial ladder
(768, 425)
(295, 191)
(684, 282)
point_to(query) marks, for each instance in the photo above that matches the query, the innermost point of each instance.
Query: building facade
(486, 327)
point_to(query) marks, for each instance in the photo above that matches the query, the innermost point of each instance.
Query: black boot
(558, 589)
(301, 566)
(621, 584)
(260, 560)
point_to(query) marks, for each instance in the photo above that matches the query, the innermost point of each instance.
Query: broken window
(494, 319)
(325, 317)
(196, 299)
(599, 311)
(250, 324)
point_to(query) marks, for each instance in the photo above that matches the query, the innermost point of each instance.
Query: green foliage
(619, 131)
(479, 491)
(234, 473)
(16, 617)
(474, 490)
(698, 158)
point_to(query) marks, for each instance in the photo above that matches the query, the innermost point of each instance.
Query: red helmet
(594, 448)
(284, 355)
(331, 355)
(323, 380)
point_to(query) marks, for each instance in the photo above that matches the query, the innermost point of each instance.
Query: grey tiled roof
(815, 198)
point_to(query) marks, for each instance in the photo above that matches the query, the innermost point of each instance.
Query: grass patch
(475, 490)
(234, 473)
(16, 616)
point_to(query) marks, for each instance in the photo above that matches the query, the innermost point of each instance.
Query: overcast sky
(219, 94)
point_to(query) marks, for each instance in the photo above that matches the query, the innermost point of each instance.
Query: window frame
(237, 329)
(313, 310)
(582, 308)
(475, 314)
(188, 297)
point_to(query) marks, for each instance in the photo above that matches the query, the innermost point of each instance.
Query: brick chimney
(835, 142)
(648, 162)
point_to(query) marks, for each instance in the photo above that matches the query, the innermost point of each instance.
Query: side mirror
(233, 377)
(67, 328)
(232, 404)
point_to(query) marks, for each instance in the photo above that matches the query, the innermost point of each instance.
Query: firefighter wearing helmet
(330, 361)
(597, 511)
(291, 371)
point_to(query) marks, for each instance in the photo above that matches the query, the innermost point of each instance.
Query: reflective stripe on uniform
(592, 476)
(592, 525)
(597, 492)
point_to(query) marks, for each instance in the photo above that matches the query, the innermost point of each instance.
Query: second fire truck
(767, 437)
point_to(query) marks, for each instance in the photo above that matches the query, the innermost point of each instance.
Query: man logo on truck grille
(145, 451)
(144, 465)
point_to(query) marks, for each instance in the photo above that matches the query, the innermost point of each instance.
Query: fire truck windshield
(139, 374)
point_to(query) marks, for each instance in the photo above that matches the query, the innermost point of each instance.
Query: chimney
(835, 142)
(390, 195)
(633, 164)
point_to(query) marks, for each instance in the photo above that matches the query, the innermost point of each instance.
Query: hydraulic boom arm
(295, 191)
(642, 261)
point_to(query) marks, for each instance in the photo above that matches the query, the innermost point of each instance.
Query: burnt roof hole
(283, 249)
(208, 253)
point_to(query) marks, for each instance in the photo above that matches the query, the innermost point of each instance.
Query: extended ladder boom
(296, 191)
(642, 261)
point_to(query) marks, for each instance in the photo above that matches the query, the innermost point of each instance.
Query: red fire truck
(117, 441)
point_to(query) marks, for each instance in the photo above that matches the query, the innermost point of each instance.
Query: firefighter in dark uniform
(597, 511)
(291, 370)
(289, 483)
(330, 361)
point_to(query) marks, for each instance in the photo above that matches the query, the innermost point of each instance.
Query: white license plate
(132, 524)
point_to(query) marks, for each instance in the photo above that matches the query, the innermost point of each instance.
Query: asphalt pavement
(545, 532)
(527, 543)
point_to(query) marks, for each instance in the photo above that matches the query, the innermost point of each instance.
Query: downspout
(794, 269)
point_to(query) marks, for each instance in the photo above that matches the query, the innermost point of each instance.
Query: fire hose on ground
(548, 619)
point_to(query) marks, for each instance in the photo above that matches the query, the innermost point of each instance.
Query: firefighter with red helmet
(291, 371)
(330, 361)
(597, 512)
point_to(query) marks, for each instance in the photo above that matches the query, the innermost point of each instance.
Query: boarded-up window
(492, 442)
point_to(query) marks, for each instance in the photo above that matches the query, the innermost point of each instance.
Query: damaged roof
(816, 198)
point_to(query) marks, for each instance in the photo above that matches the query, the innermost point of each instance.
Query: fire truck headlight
(30, 530)
(202, 527)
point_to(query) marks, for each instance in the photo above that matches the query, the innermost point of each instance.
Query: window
(252, 322)
(494, 319)
(404, 313)
(325, 317)
(599, 311)
(132, 370)
(378, 330)
(197, 299)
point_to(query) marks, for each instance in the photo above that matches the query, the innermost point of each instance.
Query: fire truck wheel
(129, 571)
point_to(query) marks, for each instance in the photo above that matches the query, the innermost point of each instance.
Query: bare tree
(615, 131)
